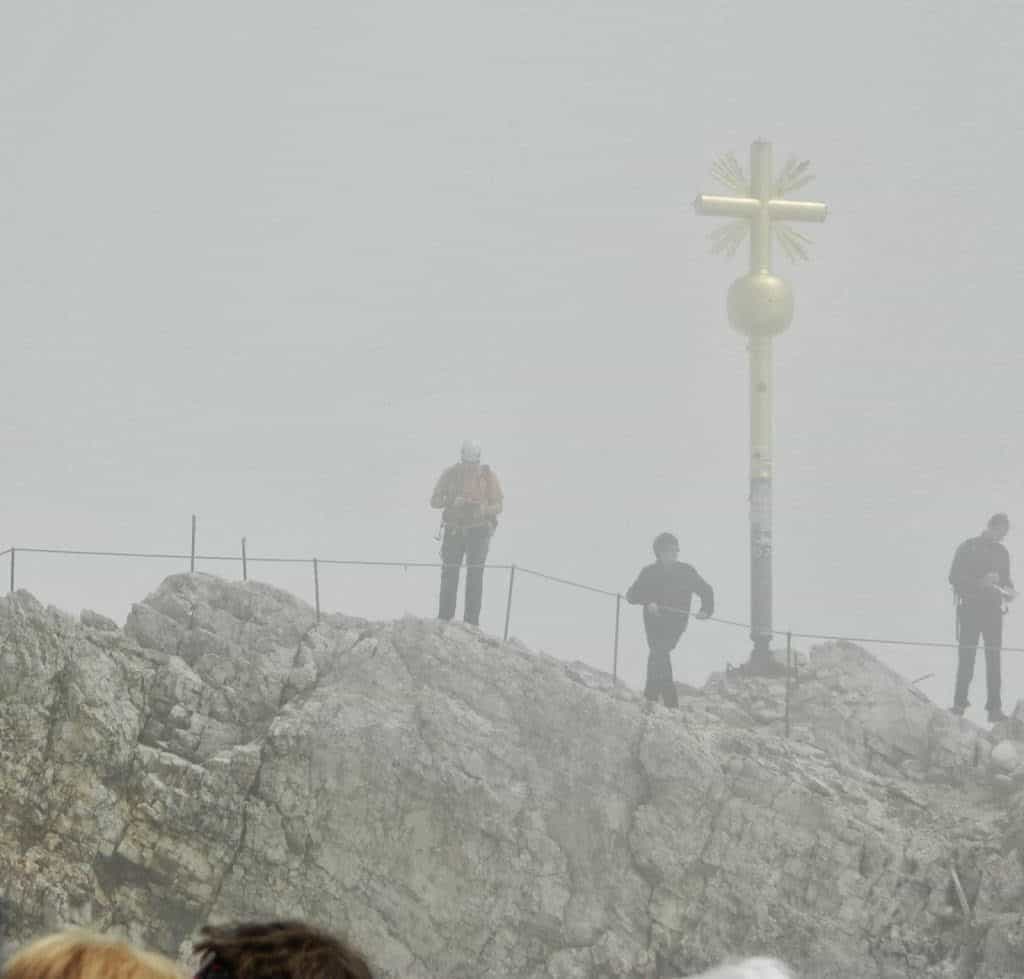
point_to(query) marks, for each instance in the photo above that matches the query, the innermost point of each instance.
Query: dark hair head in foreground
(276, 950)
(78, 954)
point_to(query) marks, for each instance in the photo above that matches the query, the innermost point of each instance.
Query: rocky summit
(462, 807)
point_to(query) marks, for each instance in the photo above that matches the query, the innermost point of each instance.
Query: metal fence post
(12, 569)
(316, 587)
(508, 604)
(245, 566)
(615, 654)
(789, 675)
(192, 562)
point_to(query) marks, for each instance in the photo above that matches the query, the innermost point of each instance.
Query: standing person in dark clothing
(980, 576)
(665, 589)
(471, 498)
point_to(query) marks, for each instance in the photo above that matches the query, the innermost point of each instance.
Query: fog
(271, 264)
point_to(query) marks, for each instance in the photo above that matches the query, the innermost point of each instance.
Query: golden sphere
(760, 305)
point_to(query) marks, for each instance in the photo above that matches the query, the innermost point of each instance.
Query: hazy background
(270, 263)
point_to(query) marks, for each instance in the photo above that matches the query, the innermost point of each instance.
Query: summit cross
(760, 306)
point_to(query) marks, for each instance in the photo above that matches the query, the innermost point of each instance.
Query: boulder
(462, 807)
(1005, 756)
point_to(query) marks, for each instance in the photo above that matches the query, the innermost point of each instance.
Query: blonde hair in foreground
(79, 954)
(749, 969)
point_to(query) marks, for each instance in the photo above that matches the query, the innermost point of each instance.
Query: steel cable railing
(316, 562)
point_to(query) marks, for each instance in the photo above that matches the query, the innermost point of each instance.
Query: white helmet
(470, 451)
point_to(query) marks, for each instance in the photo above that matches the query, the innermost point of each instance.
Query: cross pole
(760, 306)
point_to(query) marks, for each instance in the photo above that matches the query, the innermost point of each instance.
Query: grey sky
(271, 263)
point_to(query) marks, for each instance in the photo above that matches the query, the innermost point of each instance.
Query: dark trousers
(660, 683)
(974, 623)
(471, 544)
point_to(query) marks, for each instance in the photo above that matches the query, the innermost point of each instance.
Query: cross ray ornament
(795, 175)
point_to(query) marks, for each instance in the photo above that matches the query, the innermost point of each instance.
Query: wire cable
(344, 562)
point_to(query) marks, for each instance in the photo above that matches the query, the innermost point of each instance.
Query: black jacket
(671, 587)
(974, 559)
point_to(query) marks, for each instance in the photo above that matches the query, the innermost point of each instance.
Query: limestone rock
(864, 715)
(93, 620)
(1003, 948)
(462, 807)
(1005, 756)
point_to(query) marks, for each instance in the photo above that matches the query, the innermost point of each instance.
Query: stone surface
(1005, 756)
(462, 807)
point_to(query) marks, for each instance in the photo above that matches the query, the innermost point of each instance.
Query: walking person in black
(980, 576)
(665, 589)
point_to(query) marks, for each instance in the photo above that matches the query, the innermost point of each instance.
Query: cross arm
(782, 210)
(746, 207)
(726, 207)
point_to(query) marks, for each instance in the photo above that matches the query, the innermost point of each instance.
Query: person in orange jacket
(470, 497)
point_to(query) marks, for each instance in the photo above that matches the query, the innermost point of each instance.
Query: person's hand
(652, 607)
(703, 615)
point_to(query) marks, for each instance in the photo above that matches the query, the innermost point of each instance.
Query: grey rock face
(460, 807)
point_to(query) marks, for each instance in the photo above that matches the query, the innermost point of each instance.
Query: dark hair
(998, 520)
(665, 542)
(276, 950)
